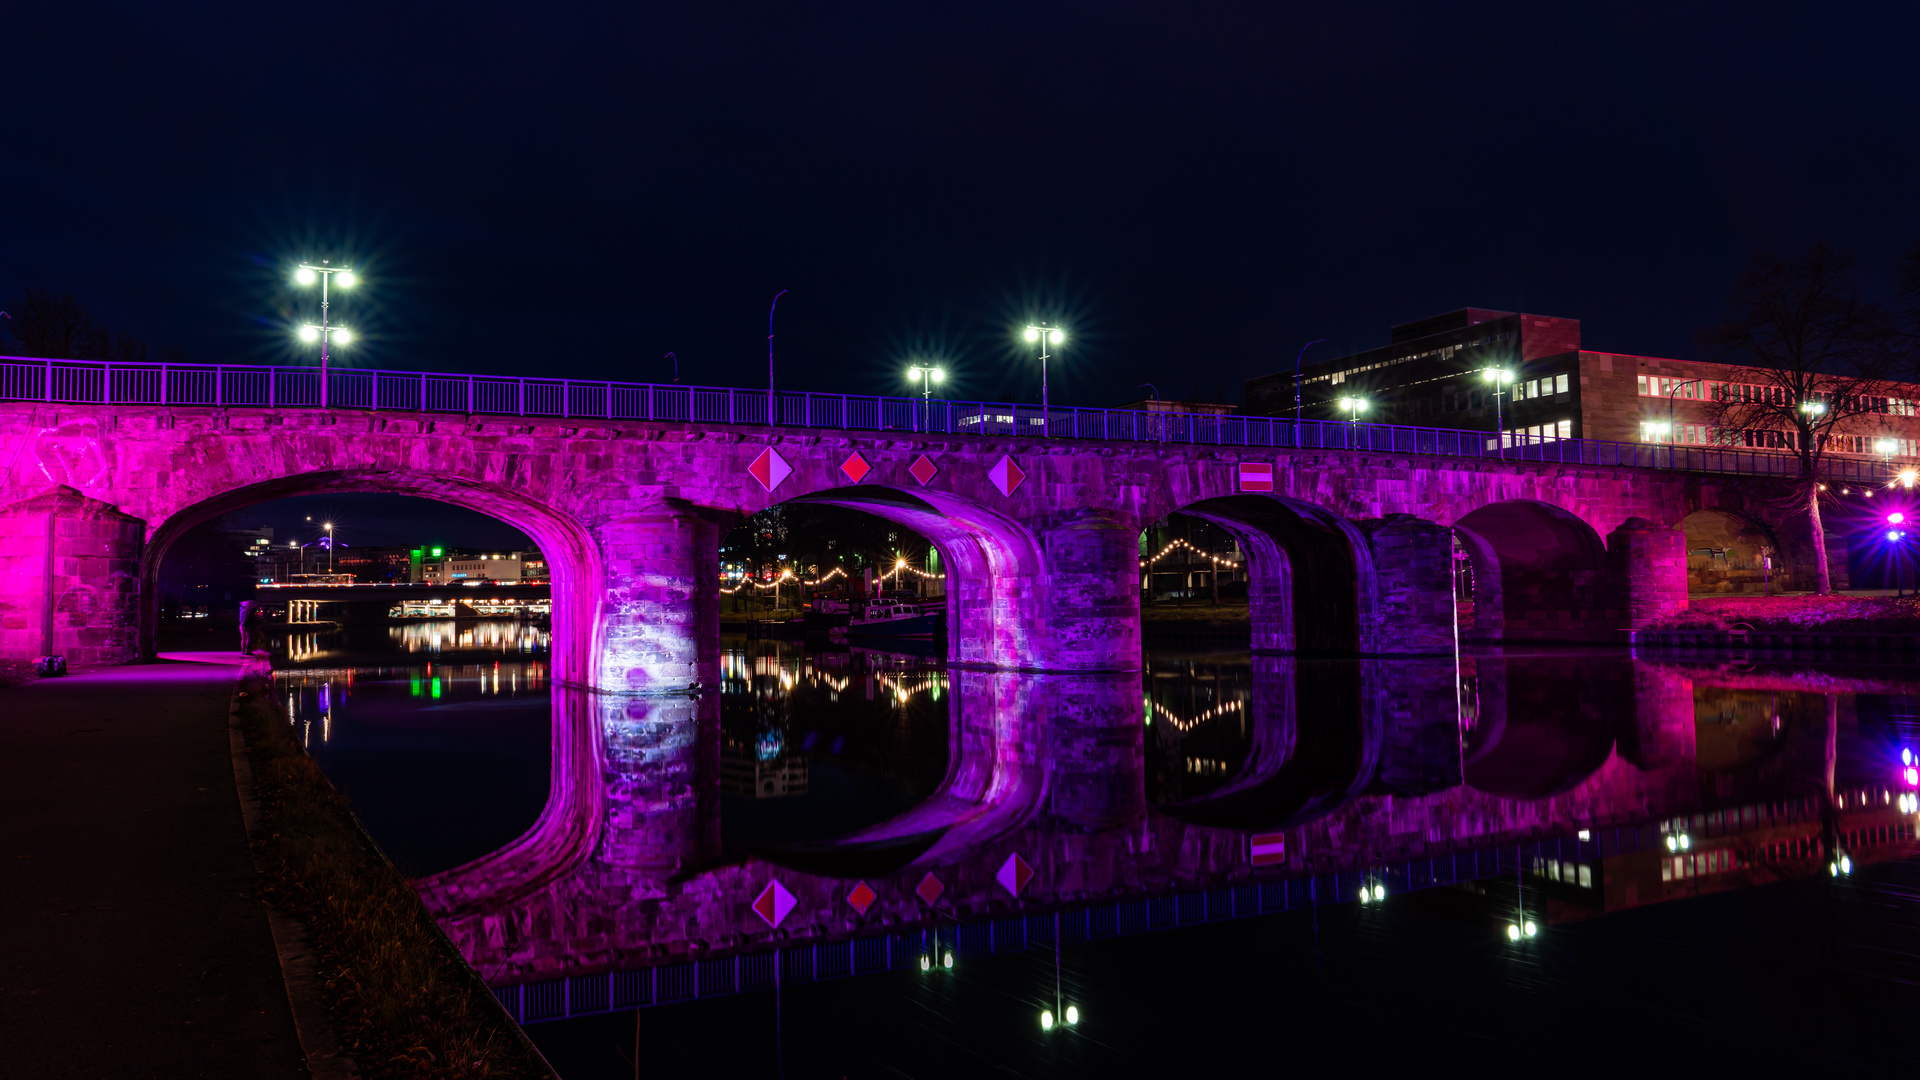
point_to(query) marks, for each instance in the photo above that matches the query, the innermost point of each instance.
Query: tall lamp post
(1499, 377)
(928, 375)
(1673, 430)
(325, 333)
(1296, 386)
(329, 527)
(1353, 407)
(1045, 336)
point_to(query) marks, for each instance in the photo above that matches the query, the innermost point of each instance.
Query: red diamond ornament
(773, 903)
(855, 467)
(1006, 475)
(930, 887)
(1014, 874)
(862, 897)
(769, 469)
(924, 470)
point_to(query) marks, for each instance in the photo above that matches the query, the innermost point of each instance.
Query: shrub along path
(133, 941)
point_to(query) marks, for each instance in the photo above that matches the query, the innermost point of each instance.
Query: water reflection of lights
(496, 635)
(1184, 725)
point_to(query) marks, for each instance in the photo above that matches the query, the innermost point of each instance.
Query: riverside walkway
(133, 944)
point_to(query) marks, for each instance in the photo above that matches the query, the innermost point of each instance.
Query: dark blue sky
(1194, 190)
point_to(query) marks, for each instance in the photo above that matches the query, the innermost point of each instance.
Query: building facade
(1434, 373)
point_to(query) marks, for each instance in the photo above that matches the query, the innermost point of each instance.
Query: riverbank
(137, 944)
(405, 1003)
(1835, 614)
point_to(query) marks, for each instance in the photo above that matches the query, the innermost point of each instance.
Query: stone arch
(1724, 553)
(1538, 572)
(1541, 725)
(570, 549)
(1054, 595)
(1310, 578)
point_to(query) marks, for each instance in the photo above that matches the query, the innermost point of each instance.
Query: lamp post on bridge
(1499, 377)
(1045, 336)
(1296, 387)
(1353, 407)
(325, 333)
(928, 375)
(1672, 430)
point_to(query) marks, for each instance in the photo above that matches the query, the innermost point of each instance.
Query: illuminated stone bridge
(1349, 551)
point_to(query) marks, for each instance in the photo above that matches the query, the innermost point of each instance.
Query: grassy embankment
(1839, 614)
(404, 1002)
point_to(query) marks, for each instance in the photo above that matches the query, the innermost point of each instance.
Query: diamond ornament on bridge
(930, 887)
(855, 467)
(862, 897)
(769, 469)
(1006, 475)
(1014, 874)
(923, 470)
(773, 903)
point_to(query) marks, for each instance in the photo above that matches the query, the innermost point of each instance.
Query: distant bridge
(1353, 532)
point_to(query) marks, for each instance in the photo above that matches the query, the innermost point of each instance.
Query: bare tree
(59, 328)
(1813, 357)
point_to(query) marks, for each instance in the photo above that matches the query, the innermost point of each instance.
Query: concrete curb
(298, 968)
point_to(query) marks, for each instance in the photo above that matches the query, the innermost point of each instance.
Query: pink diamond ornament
(855, 467)
(930, 887)
(1014, 874)
(862, 897)
(773, 903)
(770, 469)
(923, 469)
(1006, 475)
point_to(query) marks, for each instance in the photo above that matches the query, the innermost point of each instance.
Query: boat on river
(897, 618)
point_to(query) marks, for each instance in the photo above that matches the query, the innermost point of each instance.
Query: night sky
(1193, 190)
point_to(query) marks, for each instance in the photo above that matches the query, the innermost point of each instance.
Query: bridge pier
(69, 579)
(1648, 566)
(658, 623)
(1410, 610)
(1092, 609)
(661, 778)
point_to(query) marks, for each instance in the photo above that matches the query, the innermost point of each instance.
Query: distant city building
(372, 564)
(1430, 374)
(743, 773)
(452, 567)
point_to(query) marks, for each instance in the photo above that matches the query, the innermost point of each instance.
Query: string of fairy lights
(899, 568)
(1176, 545)
(1185, 725)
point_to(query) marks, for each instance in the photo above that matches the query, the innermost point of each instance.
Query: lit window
(1586, 876)
(1560, 383)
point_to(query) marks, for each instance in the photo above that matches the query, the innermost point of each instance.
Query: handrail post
(219, 388)
(469, 395)
(521, 386)
(609, 401)
(423, 391)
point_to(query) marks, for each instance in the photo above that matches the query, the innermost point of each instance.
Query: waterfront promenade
(133, 943)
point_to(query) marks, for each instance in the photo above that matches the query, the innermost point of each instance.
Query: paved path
(130, 945)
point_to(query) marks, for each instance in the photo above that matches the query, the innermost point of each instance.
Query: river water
(1533, 794)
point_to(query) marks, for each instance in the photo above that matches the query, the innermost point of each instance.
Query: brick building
(1431, 374)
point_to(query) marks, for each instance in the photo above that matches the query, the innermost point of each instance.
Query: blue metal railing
(104, 383)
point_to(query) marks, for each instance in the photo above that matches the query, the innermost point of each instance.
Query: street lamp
(1353, 407)
(1044, 336)
(329, 527)
(1296, 386)
(1499, 377)
(1674, 389)
(325, 333)
(928, 375)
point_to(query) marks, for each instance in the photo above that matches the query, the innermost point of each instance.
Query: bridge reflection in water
(1610, 781)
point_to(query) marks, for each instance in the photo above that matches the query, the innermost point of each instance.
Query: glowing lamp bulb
(1911, 775)
(346, 280)
(1032, 334)
(1532, 929)
(1906, 757)
(1046, 1019)
(1379, 892)
(309, 333)
(1896, 518)
(947, 961)
(1073, 1015)
(1057, 336)
(1513, 932)
(938, 374)
(304, 276)
(343, 337)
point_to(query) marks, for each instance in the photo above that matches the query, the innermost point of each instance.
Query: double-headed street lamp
(1353, 407)
(325, 333)
(928, 375)
(1499, 377)
(1045, 336)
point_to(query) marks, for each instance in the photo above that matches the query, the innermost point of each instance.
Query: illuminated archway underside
(1538, 573)
(1306, 571)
